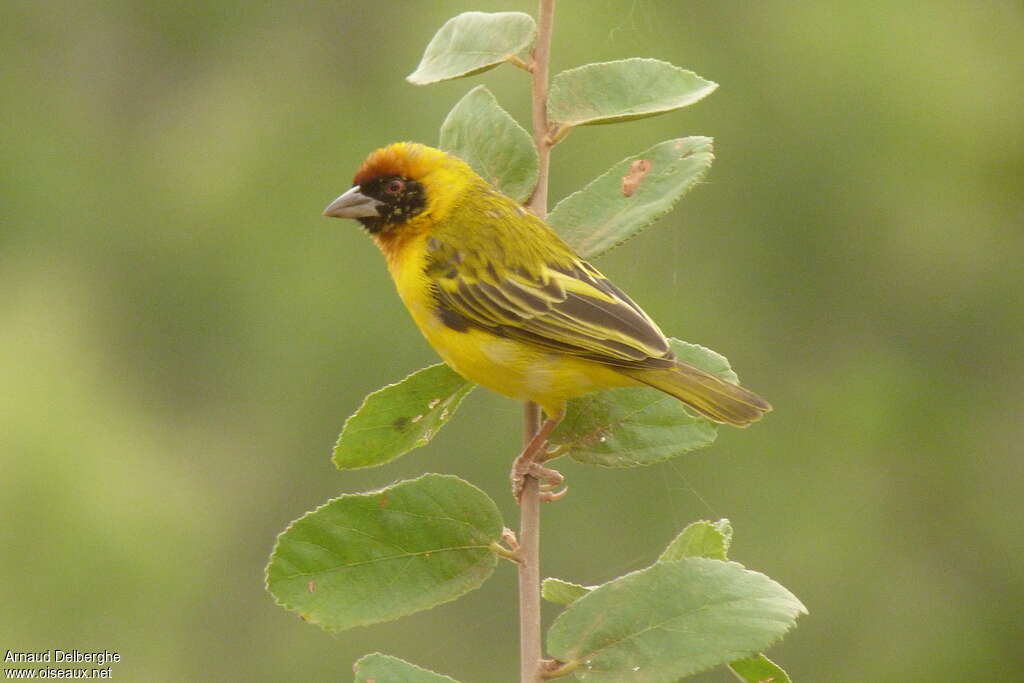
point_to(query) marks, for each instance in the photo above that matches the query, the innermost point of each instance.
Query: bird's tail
(710, 396)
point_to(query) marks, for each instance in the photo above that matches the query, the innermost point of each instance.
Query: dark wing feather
(566, 307)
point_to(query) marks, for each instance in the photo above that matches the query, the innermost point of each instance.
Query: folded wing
(566, 306)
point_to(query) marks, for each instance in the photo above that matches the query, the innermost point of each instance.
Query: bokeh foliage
(181, 333)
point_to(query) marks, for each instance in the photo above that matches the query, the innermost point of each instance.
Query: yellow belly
(519, 371)
(508, 367)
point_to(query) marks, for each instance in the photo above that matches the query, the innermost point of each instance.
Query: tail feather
(710, 396)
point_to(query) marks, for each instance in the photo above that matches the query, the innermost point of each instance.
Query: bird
(508, 304)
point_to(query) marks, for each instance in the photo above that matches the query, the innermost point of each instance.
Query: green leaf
(562, 592)
(400, 417)
(635, 426)
(620, 91)
(759, 669)
(672, 620)
(363, 558)
(712, 539)
(378, 668)
(483, 134)
(705, 359)
(632, 195)
(474, 42)
(700, 539)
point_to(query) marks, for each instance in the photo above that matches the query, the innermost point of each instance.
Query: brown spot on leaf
(400, 423)
(638, 170)
(382, 502)
(311, 586)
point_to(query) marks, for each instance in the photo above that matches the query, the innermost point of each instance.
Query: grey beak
(353, 204)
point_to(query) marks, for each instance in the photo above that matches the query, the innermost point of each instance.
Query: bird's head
(400, 185)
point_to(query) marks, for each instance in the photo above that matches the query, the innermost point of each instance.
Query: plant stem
(538, 203)
(529, 564)
(529, 505)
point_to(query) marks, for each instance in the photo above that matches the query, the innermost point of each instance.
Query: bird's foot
(528, 464)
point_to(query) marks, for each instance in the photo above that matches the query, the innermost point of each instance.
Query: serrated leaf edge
(486, 67)
(355, 665)
(332, 629)
(657, 215)
(535, 170)
(420, 442)
(710, 88)
(726, 539)
(801, 608)
(626, 465)
(555, 580)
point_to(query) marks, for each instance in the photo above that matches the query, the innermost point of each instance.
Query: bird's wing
(566, 306)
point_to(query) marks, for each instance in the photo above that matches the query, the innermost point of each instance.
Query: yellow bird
(506, 302)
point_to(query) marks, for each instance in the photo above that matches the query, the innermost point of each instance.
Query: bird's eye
(395, 186)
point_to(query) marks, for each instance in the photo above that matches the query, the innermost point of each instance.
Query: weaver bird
(508, 304)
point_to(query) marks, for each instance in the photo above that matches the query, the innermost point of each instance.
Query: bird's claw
(549, 479)
(552, 496)
(528, 464)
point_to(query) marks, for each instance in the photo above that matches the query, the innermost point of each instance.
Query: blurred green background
(182, 334)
